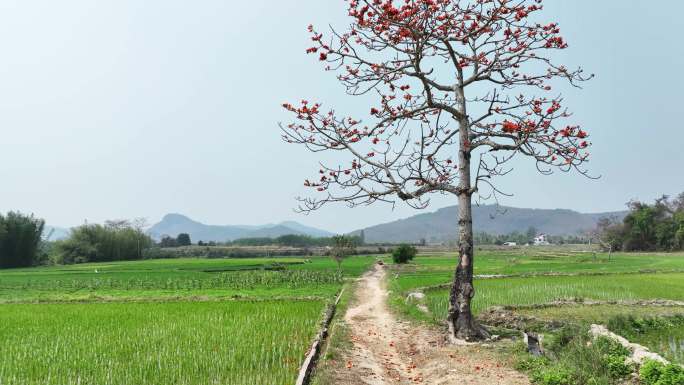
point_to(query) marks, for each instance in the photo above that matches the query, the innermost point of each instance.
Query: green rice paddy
(182, 321)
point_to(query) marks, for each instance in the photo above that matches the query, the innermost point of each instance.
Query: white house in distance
(541, 240)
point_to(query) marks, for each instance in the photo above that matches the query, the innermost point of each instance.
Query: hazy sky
(128, 108)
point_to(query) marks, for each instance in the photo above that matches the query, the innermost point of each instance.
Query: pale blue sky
(113, 109)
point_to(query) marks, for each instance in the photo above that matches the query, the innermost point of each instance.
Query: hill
(441, 225)
(174, 224)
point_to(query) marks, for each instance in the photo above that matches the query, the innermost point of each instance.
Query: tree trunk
(462, 325)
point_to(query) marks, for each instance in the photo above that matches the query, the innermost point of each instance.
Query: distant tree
(462, 88)
(404, 253)
(647, 227)
(140, 224)
(609, 234)
(362, 238)
(183, 239)
(532, 233)
(168, 241)
(114, 241)
(20, 239)
(343, 246)
(295, 240)
(292, 240)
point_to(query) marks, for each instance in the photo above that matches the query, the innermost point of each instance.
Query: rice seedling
(184, 343)
(539, 290)
(439, 269)
(253, 278)
(234, 280)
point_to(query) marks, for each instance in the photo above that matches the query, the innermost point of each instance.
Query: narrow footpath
(387, 351)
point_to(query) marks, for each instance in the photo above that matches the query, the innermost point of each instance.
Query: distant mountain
(312, 231)
(441, 225)
(174, 224)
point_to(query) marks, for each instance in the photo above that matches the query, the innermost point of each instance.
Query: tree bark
(462, 324)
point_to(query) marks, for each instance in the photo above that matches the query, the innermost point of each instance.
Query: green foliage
(611, 347)
(217, 252)
(168, 241)
(294, 240)
(98, 243)
(657, 373)
(656, 227)
(573, 359)
(617, 367)
(612, 357)
(531, 363)
(404, 253)
(542, 370)
(664, 334)
(20, 240)
(553, 375)
(562, 337)
(343, 246)
(183, 239)
(261, 241)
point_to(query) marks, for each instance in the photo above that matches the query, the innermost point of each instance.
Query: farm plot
(178, 279)
(438, 269)
(536, 277)
(540, 290)
(190, 321)
(156, 343)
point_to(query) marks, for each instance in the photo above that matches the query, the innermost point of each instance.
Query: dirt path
(387, 351)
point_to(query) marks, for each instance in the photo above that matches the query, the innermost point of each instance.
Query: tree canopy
(100, 243)
(647, 227)
(20, 238)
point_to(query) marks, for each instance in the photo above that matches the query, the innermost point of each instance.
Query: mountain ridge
(441, 225)
(174, 224)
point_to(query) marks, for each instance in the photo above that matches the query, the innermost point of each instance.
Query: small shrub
(616, 366)
(611, 347)
(554, 375)
(532, 364)
(404, 253)
(656, 373)
(650, 372)
(574, 359)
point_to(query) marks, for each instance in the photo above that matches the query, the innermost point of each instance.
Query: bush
(404, 253)
(616, 366)
(656, 373)
(532, 363)
(573, 358)
(554, 375)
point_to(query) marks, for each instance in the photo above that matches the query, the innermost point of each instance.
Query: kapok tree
(462, 88)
